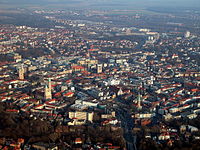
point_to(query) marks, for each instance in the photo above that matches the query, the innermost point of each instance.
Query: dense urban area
(94, 79)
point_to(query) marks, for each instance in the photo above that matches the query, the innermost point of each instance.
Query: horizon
(101, 4)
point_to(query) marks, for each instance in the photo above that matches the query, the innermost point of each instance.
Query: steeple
(49, 83)
(48, 94)
(139, 101)
(99, 68)
(21, 73)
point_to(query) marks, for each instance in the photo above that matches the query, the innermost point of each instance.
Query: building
(99, 68)
(80, 118)
(16, 57)
(21, 73)
(139, 106)
(44, 146)
(187, 34)
(47, 92)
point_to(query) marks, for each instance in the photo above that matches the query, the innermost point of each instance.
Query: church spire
(48, 94)
(139, 101)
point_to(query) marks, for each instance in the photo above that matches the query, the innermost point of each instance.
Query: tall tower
(139, 101)
(21, 73)
(47, 92)
(49, 83)
(99, 68)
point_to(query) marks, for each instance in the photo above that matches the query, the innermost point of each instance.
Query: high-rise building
(21, 73)
(48, 94)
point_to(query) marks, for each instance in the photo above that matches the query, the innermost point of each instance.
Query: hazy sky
(103, 3)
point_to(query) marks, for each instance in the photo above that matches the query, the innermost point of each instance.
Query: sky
(104, 3)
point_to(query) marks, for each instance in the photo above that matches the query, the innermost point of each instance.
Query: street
(127, 125)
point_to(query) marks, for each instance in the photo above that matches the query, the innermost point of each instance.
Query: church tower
(49, 83)
(21, 73)
(139, 106)
(47, 92)
(99, 68)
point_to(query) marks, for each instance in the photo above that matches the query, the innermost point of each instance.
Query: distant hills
(100, 3)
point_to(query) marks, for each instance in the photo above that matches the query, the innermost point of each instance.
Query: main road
(127, 124)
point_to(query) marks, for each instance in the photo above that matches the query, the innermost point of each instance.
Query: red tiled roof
(68, 93)
(78, 67)
(12, 110)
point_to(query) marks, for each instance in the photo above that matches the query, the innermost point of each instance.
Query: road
(127, 125)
